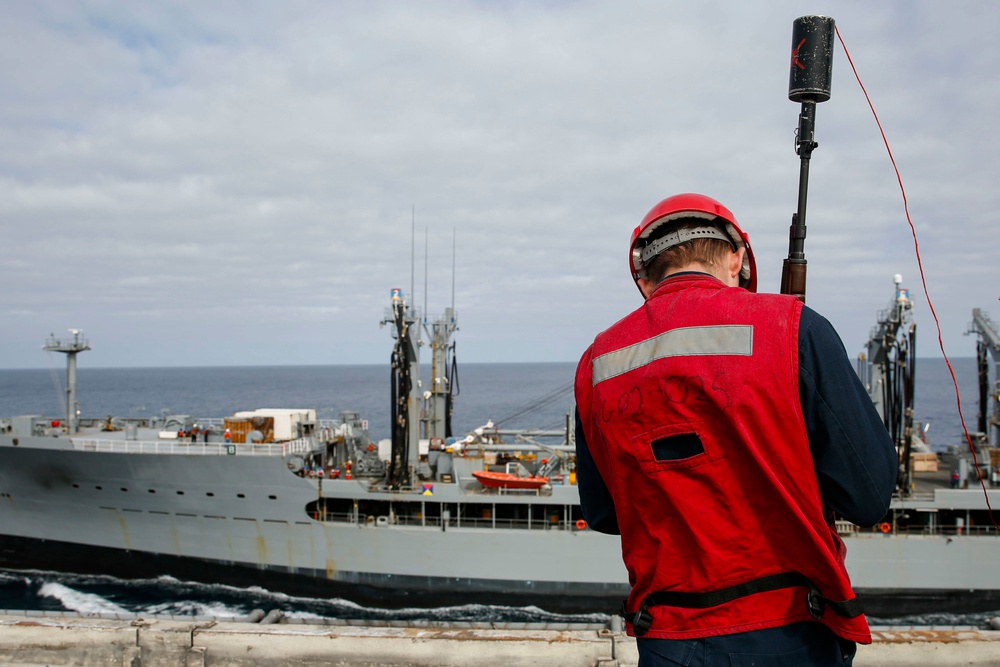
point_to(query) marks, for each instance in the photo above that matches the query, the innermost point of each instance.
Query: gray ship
(280, 499)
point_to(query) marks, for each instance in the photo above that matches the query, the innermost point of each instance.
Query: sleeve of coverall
(595, 499)
(856, 461)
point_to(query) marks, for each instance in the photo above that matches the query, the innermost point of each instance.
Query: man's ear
(736, 265)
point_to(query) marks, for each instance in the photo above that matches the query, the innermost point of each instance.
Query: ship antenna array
(454, 234)
(413, 246)
(425, 276)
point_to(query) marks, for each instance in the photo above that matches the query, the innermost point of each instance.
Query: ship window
(273, 497)
(124, 489)
(76, 486)
(152, 490)
(99, 488)
(241, 495)
(180, 493)
(209, 493)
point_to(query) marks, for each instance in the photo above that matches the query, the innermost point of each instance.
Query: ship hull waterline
(396, 592)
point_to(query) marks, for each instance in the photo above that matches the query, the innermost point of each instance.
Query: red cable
(923, 280)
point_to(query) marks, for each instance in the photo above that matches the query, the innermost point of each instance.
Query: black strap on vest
(642, 619)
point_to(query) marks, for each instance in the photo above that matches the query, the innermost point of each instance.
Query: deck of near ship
(32, 640)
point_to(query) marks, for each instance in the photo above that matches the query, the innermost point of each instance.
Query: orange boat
(496, 480)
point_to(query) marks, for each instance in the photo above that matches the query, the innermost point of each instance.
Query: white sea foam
(193, 608)
(83, 603)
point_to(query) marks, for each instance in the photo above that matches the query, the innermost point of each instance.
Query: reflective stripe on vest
(688, 341)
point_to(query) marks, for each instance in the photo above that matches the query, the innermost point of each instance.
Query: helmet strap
(678, 236)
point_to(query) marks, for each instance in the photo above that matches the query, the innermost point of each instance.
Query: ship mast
(437, 422)
(70, 347)
(890, 373)
(439, 399)
(414, 412)
(405, 408)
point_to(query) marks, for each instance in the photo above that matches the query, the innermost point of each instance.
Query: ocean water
(511, 395)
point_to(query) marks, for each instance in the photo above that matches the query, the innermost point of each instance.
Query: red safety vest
(742, 501)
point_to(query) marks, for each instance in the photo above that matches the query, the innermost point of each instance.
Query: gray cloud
(234, 183)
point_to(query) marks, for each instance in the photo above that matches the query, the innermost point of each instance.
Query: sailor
(227, 436)
(718, 432)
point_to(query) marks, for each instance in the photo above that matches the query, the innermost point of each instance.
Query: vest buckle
(640, 620)
(815, 603)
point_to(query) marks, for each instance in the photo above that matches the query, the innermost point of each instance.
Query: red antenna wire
(923, 279)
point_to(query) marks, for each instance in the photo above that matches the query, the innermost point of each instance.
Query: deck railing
(180, 448)
(846, 529)
(379, 521)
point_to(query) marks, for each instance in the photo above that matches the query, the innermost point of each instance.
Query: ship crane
(989, 341)
(889, 374)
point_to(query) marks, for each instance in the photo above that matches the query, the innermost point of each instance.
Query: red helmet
(683, 207)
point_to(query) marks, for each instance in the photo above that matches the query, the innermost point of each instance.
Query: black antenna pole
(425, 276)
(808, 83)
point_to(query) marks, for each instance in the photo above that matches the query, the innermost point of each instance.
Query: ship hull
(247, 520)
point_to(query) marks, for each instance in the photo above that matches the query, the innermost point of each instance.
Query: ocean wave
(168, 596)
(78, 601)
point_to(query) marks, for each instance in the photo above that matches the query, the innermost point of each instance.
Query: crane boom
(989, 342)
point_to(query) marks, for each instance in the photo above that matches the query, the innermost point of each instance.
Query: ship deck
(92, 436)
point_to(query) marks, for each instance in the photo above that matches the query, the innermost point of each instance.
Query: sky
(243, 183)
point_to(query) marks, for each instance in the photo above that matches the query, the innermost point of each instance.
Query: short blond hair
(709, 252)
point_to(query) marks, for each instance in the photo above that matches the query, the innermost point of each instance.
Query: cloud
(239, 183)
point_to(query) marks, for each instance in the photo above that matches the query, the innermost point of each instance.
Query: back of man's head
(697, 254)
